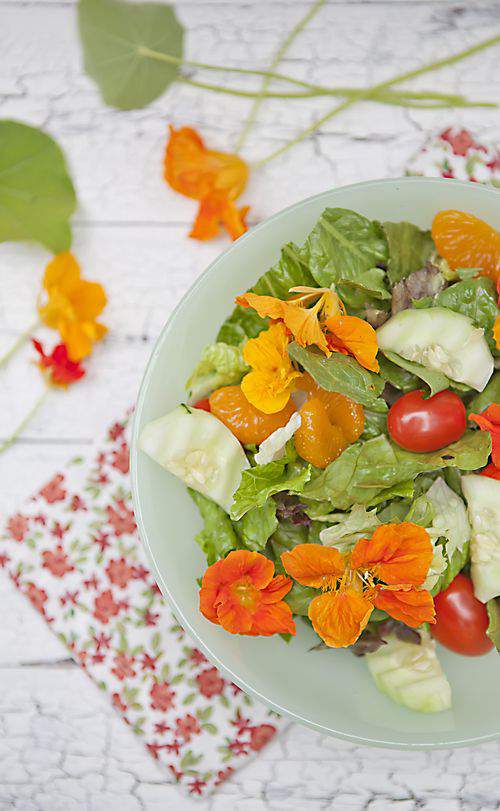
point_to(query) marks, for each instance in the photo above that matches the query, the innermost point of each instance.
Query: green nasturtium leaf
(37, 196)
(114, 34)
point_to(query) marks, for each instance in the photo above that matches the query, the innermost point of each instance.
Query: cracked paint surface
(61, 746)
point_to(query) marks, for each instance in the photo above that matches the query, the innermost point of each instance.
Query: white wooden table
(61, 746)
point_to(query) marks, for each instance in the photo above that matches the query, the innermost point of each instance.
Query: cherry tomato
(426, 425)
(204, 404)
(461, 620)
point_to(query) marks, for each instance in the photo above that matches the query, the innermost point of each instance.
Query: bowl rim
(141, 397)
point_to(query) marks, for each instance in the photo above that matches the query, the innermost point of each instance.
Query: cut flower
(324, 324)
(383, 572)
(216, 179)
(270, 383)
(57, 367)
(72, 306)
(489, 421)
(241, 594)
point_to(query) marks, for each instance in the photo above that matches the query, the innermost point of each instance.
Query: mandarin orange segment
(249, 425)
(317, 440)
(466, 241)
(341, 410)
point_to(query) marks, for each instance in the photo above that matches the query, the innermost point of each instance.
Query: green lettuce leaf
(257, 526)
(217, 537)
(342, 246)
(220, 365)
(372, 281)
(437, 381)
(341, 374)
(349, 528)
(475, 298)
(493, 609)
(409, 249)
(262, 481)
(290, 271)
(375, 424)
(287, 536)
(299, 597)
(454, 564)
(366, 470)
(401, 490)
(397, 376)
(489, 395)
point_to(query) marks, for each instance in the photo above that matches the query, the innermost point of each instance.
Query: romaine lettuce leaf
(493, 609)
(475, 298)
(257, 526)
(260, 482)
(299, 597)
(397, 376)
(490, 395)
(365, 470)
(349, 528)
(342, 374)
(375, 424)
(291, 270)
(220, 365)
(409, 249)
(342, 246)
(372, 281)
(217, 537)
(437, 381)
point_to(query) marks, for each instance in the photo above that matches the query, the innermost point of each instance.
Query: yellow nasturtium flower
(270, 383)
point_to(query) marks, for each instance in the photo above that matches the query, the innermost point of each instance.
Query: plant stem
(18, 343)
(247, 126)
(403, 98)
(371, 92)
(24, 422)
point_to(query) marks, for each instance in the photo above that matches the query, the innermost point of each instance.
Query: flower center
(245, 593)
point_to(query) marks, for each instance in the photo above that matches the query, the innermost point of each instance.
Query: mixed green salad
(341, 440)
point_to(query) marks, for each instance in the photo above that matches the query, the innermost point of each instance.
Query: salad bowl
(329, 690)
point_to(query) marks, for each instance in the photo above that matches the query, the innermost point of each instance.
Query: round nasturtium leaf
(112, 34)
(36, 193)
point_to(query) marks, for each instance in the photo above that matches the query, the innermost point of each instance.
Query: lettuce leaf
(220, 365)
(349, 528)
(342, 246)
(366, 470)
(260, 482)
(409, 249)
(437, 381)
(299, 597)
(342, 374)
(372, 281)
(475, 298)
(489, 395)
(284, 539)
(257, 526)
(217, 537)
(375, 424)
(493, 609)
(291, 270)
(397, 376)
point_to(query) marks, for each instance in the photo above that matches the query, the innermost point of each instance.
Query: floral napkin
(74, 551)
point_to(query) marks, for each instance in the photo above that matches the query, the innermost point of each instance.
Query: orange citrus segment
(317, 440)
(466, 241)
(249, 425)
(341, 410)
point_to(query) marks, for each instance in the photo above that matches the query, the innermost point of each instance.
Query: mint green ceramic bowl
(329, 691)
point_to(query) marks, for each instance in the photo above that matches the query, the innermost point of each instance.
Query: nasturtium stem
(402, 98)
(247, 126)
(24, 422)
(18, 343)
(364, 95)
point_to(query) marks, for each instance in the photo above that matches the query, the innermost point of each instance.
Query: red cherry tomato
(461, 620)
(426, 425)
(204, 404)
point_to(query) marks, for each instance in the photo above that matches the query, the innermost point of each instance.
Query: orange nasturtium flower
(383, 572)
(57, 368)
(216, 179)
(489, 421)
(496, 326)
(241, 594)
(324, 324)
(72, 306)
(269, 385)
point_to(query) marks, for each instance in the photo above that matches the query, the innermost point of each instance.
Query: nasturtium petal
(396, 553)
(340, 617)
(411, 606)
(313, 565)
(37, 197)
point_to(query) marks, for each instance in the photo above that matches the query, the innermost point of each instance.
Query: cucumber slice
(440, 339)
(199, 449)
(483, 504)
(411, 675)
